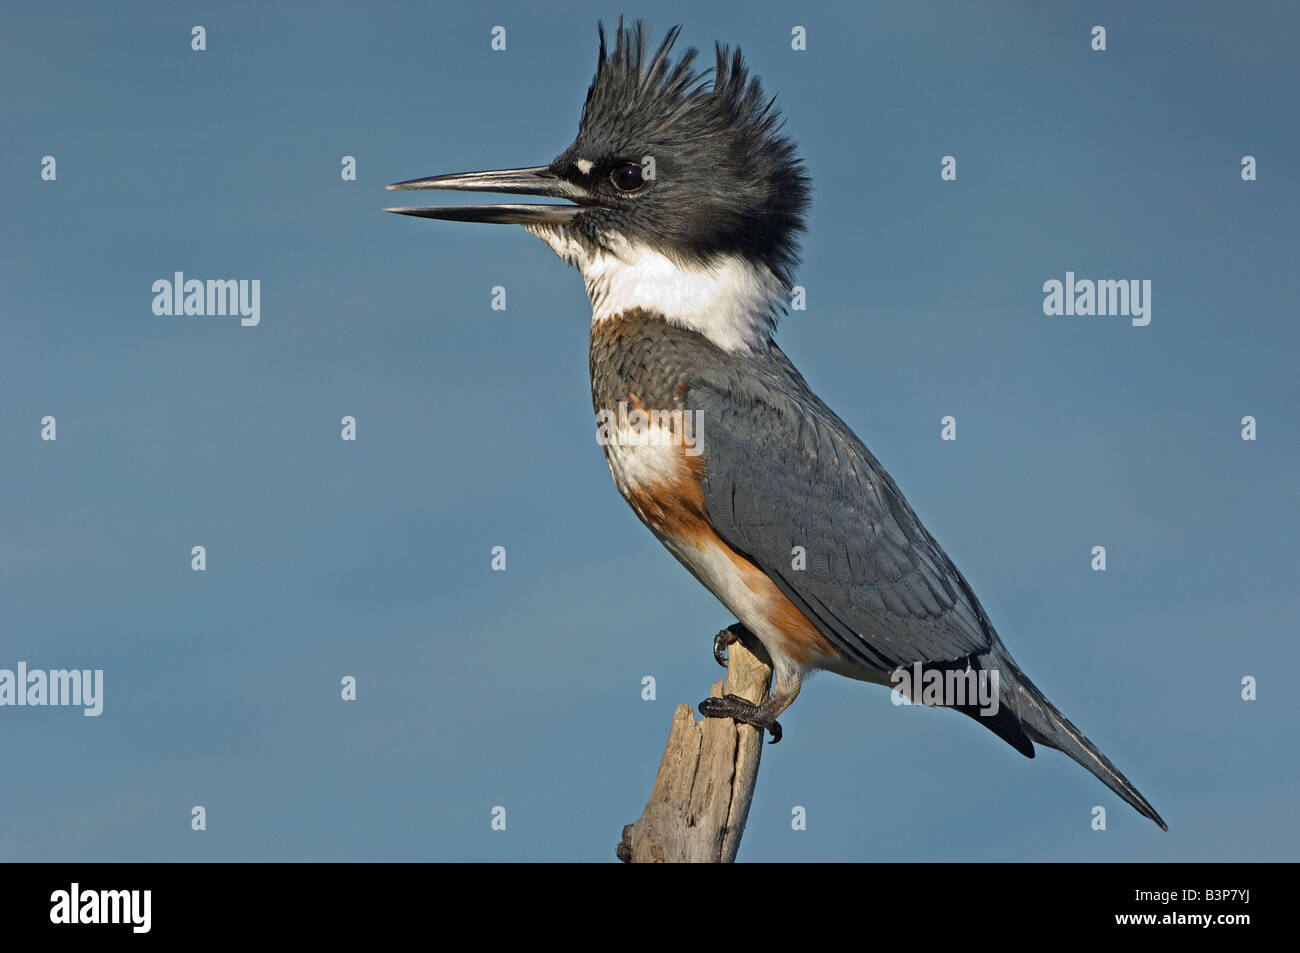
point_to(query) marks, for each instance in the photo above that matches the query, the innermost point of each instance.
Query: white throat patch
(733, 302)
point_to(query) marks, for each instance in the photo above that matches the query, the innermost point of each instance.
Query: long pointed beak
(535, 181)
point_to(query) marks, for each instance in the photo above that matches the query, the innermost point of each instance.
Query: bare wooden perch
(700, 801)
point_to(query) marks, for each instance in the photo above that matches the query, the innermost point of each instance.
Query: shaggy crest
(727, 180)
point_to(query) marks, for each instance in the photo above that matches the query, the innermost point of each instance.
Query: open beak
(535, 181)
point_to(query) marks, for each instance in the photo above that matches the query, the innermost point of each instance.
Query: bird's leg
(760, 716)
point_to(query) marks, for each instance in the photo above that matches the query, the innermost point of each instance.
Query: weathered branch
(700, 801)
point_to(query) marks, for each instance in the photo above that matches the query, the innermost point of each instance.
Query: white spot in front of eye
(585, 166)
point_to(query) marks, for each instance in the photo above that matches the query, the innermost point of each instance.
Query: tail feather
(1044, 723)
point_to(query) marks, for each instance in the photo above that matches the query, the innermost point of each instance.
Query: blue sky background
(522, 688)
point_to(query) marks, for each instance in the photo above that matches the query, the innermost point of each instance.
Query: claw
(720, 642)
(743, 711)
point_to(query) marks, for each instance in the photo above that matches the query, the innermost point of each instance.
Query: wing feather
(782, 471)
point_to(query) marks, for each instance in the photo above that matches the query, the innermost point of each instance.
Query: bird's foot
(743, 711)
(720, 642)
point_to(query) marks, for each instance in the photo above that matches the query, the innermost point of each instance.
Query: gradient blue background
(522, 688)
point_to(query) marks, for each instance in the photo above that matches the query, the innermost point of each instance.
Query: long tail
(1044, 723)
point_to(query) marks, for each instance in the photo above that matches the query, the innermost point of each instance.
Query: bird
(683, 204)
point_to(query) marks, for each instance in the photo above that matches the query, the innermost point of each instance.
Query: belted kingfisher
(686, 204)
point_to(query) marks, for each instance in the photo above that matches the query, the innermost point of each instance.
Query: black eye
(627, 177)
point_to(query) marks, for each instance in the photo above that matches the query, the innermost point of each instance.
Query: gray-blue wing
(782, 471)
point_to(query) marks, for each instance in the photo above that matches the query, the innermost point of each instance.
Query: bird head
(667, 159)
